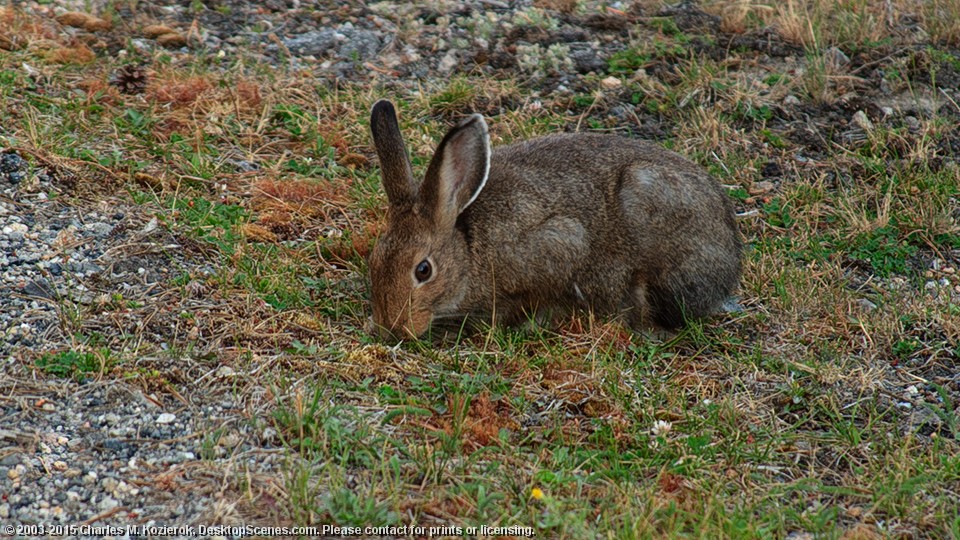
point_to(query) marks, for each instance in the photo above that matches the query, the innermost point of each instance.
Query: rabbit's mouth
(451, 323)
(406, 325)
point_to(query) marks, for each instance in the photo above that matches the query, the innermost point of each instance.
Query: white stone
(860, 120)
(611, 83)
(108, 503)
(448, 62)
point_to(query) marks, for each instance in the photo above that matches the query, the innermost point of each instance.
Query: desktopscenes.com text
(134, 531)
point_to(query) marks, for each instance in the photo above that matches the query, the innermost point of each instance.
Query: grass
(72, 363)
(827, 407)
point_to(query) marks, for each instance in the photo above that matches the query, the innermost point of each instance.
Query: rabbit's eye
(423, 271)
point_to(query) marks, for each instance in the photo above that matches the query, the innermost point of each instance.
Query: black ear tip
(383, 107)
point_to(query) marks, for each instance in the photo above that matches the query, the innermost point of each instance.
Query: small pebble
(759, 188)
(611, 83)
(860, 120)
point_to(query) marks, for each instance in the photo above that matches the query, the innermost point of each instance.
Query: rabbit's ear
(457, 172)
(394, 163)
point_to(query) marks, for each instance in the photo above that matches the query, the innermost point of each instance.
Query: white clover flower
(661, 427)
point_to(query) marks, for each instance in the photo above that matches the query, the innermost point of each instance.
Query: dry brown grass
(75, 53)
(19, 30)
(563, 6)
(816, 24)
(940, 19)
(176, 91)
(82, 20)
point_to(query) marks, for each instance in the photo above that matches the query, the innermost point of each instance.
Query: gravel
(54, 253)
(345, 43)
(86, 451)
(103, 452)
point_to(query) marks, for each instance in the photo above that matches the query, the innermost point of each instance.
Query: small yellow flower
(536, 493)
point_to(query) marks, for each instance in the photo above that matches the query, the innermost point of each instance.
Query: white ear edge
(486, 167)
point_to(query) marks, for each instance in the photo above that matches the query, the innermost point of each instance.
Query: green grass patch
(883, 249)
(210, 221)
(627, 61)
(76, 364)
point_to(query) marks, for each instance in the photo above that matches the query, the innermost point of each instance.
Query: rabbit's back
(605, 222)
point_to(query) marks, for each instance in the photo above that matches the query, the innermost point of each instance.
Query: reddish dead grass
(288, 207)
(583, 333)
(177, 92)
(362, 243)
(18, 30)
(700, 379)
(300, 196)
(333, 135)
(481, 418)
(100, 91)
(249, 94)
(75, 53)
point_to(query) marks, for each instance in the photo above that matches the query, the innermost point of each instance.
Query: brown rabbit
(557, 223)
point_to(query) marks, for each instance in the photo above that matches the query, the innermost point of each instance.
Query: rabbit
(554, 224)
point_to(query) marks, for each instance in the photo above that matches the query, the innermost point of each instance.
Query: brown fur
(563, 222)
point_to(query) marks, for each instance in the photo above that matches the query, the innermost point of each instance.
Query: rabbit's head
(420, 266)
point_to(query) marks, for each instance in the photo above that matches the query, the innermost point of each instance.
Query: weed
(458, 95)
(627, 61)
(947, 412)
(883, 249)
(211, 221)
(76, 364)
(778, 213)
